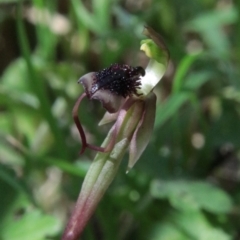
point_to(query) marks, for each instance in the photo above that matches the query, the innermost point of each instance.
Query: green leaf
(85, 17)
(37, 85)
(32, 225)
(9, 177)
(167, 230)
(22, 221)
(170, 107)
(78, 169)
(182, 70)
(189, 195)
(9, 156)
(210, 25)
(186, 226)
(196, 80)
(210, 197)
(102, 11)
(15, 75)
(197, 227)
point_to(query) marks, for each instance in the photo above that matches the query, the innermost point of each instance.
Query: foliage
(186, 184)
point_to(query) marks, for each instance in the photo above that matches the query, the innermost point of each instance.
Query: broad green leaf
(197, 226)
(186, 226)
(167, 230)
(176, 192)
(22, 221)
(189, 195)
(32, 225)
(210, 197)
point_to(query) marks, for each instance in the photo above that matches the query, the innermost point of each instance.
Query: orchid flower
(126, 93)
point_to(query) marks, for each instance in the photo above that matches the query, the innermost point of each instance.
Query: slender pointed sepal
(143, 131)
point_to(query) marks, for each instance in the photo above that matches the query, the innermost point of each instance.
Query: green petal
(158, 53)
(153, 51)
(155, 47)
(107, 118)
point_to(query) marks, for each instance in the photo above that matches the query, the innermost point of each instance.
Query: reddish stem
(78, 123)
(82, 133)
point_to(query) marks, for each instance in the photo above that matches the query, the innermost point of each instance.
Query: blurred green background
(186, 186)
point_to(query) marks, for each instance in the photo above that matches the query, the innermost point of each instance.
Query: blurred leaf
(190, 195)
(9, 156)
(167, 231)
(182, 70)
(209, 25)
(102, 13)
(229, 116)
(195, 80)
(4, 123)
(15, 76)
(32, 225)
(170, 107)
(11, 1)
(215, 18)
(85, 17)
(210, 197)
(78, 169)
(37, 85)
(19, 219)
(9, 176)
(196, 226)
(186, 226)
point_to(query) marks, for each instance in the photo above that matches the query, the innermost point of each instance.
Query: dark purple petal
(112, 103)
(87, 82)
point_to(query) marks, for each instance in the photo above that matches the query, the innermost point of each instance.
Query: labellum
(111, 86)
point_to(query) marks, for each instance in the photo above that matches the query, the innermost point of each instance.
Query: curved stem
(78, 123)
(108, 148)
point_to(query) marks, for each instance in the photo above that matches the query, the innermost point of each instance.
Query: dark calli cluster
(120, 79)
(112, 85)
